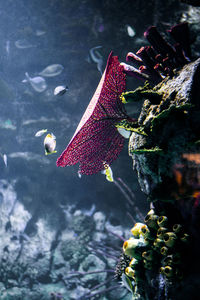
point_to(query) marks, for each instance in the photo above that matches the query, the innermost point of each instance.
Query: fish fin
(53, 136)
(48, 153)
(103, 172)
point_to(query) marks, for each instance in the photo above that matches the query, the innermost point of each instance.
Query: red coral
(96, 140)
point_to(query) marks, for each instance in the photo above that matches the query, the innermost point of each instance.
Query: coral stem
(78, 273)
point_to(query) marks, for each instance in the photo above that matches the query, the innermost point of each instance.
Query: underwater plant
(96, 141)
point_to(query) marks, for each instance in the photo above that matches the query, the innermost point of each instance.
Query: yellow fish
(50, 144)
(108, 172)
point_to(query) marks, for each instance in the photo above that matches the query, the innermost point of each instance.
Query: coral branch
(159, 60)
(158, 42)
(96, 140)
(181, 35)
(95, 288)
(102, 291)
(78, 273)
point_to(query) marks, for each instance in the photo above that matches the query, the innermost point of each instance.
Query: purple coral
(181, 35)
(157, 61)
(96, 140)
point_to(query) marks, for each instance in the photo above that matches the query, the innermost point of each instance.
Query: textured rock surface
(171, 126)
(166, 159)
(36, 263)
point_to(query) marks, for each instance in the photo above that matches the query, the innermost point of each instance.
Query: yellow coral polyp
(129, 246)
(151, 220)
(162, 221)
(136, 230)
(148, 255)
(158, 243)
(133, 262)
(177, 228)
(167, 271)
(170, 239)
(151, 239)
(185, 238)
(168, 260)
(125, 245)
(164, 250)
(161, 232)
(145, 232)
(130, 272)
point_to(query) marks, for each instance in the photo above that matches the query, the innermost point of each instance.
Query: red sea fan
(96, 140)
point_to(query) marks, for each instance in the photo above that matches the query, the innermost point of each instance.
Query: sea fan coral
(96, 140)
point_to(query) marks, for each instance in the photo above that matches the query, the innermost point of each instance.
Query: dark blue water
(33, 35)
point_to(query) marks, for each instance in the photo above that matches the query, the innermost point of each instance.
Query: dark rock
(169, 126)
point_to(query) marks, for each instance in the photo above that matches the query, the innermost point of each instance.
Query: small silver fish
(60, 90)
(39, 32)
(52, 70)
(5, 159)
(40, 132)
(7, 48)
(23, 44)
(130, 31)
(29, 156)
(50, 144)
(38, 83)
(97, 58)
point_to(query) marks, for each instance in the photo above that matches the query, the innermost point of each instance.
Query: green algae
(146, 150)
(165, 114)
(130, 126)
(141, 93)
